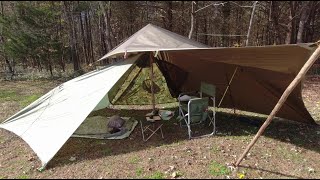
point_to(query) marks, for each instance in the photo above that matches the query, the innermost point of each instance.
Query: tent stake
(282, 99)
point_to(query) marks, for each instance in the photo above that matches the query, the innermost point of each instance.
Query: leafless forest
(47, 36)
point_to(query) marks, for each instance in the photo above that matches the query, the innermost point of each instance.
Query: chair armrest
(188, 93)
(185, 99)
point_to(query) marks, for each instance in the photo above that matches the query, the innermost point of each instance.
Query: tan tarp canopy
(262, 75)
(151, 38)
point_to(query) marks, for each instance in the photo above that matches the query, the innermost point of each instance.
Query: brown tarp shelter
(262, 74)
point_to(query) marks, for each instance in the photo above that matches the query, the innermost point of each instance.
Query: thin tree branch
(242, 6)
(221, 34)
(212, 4)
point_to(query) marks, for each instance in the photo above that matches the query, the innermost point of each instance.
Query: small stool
(152, 125)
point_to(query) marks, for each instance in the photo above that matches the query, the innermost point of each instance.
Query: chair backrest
(208, 89)
(198, 109)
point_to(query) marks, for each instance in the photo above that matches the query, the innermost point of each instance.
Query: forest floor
(286, 149)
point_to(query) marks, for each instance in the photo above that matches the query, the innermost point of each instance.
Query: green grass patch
(7, 95)
(23, 177)
(156, 175)
(217, 169)
(139, 171)
(134, 160)
(29, 99)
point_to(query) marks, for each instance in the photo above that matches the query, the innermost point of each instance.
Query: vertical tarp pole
(282, 99)
(152, 88)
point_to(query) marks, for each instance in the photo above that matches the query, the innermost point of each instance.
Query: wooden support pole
(152, 84)
(282, 99)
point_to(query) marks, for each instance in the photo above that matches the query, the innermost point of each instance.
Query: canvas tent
(263, 74)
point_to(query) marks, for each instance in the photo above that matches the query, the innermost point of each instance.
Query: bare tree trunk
(72, 36)
(106, 14)
(192, 19)
(39, 64)
(111, 32)
(182, 23)
(75, 40)
(130, 18)
(103, 47)
(238, 26)
(84, 41)
(196, 22)
(250, 24)
(1, 6)
(309, 26)
(205, 30)
(170, 15)
(303, 19)
(11, 70)
(225, 30)
(275, 21)
(268, 27)
(168, 21)
(289, 27)
(59, 30)
(49, 64)
(313, 25)
(90, 37)
(75, 51)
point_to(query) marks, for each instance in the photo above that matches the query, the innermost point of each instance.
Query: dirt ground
(286, 149)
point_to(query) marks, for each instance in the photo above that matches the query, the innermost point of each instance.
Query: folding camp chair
(209, 90)
(195, 110)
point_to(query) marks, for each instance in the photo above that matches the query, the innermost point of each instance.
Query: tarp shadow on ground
(301, 135)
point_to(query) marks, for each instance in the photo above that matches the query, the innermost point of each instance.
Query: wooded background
(49, 35)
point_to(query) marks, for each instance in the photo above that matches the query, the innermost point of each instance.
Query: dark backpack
(115, 123)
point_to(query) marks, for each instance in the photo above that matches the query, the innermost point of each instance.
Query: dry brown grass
(286, 150)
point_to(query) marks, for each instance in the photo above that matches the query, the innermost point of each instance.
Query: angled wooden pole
(282, 99)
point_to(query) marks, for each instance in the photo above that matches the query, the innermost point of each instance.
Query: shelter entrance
(134, 87)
